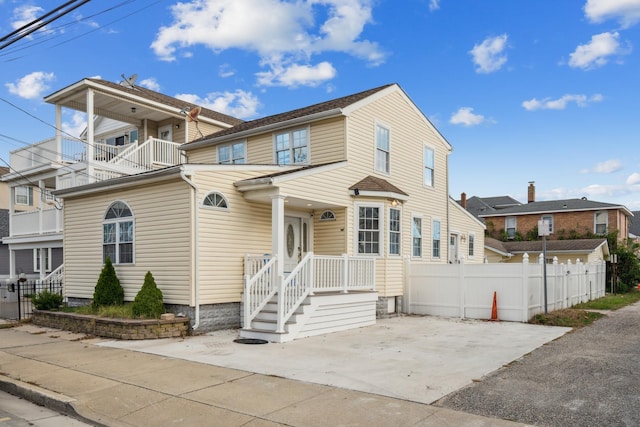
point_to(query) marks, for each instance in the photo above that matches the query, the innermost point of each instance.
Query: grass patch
(611, 302)
(110, 311)
(569, 317)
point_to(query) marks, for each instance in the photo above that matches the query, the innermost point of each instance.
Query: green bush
(108, 290)
(148, 302)
(46, 300)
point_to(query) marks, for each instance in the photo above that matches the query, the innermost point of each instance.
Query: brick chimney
(463, 200)
(531, 192)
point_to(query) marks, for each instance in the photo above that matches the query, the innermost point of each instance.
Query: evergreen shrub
(108, 290)
(149, 300)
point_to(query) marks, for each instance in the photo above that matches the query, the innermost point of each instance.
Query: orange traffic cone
(494, 309)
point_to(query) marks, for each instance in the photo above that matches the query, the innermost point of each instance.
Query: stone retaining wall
(123, 329)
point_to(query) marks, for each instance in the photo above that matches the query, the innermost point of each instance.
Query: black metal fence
(15, 297)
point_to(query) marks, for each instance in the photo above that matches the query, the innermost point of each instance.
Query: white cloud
(225, 71)
(76, 125)
(434, 5)
(464, 116)
(627, 12)
(561, 103)
(489, 56)
(22, 15)
(297, 75)
(633, 179)
(31, 86)
(283, 34)
(596, 53)
(608, 166)
(239, 103)
(150, 83)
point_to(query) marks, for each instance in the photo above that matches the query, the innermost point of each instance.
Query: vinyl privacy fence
(466, 290)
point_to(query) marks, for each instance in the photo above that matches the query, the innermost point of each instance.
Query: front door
(292, 243)
(453, 249)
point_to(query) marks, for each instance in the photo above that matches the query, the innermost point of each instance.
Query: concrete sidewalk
(119, 387)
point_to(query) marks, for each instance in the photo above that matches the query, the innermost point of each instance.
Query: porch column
(90, 136)
(43, 262)
(277, 231)
(59, 152)
(41, 204)
(12, 263)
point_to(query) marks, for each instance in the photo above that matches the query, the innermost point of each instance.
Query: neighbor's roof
(316, 109)
(634, 224)
(482, 205)
(576, 245)
(555, 206)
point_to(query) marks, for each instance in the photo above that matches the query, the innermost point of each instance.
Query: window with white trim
(47, 259)
(327, 216)
(24, 196)
(369, 233)
(435, 238)
(601, 222)
(383, 149)
(117, 234)
(510, 226)
(429, 166)
(292, 147)
(395, 238)
(232, 154)
(215, 200)
(416, 237)
(472, 242)
(549, 219)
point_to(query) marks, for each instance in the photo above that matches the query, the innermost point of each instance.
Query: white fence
(466, 290)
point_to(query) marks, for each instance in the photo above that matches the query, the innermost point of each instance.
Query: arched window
(215, 200)
(117, 234)
(328, 216)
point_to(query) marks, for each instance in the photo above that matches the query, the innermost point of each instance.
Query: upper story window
(429, 166)
(292, 147)
(117, 234)
(383, 152)
(394, 231)
(601, 222)
(215, 200)
(232, 154)
(369, 230)
(24, 196)
(510, 226)
(416, 237)
(549, 219)
(435, 238)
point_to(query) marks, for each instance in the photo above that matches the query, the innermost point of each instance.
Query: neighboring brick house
(568, 219)
(634, 227)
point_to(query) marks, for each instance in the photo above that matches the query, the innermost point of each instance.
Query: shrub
(148, 301)
(46, 300)
(108, 290)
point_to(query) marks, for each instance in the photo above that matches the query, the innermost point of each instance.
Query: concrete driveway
(414, 358)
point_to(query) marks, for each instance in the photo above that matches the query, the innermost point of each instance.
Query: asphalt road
(590, 377)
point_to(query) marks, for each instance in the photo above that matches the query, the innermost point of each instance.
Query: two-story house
(294, 224)
(132, 130)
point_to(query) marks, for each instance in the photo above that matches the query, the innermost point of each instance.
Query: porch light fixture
(395, 203)
(133, 109)
(177, 125)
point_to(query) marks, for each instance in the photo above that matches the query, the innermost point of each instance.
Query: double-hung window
(601, 220)
(117, 234)
(292, 147)
(429, 166)
(416, 237)
(383, 152)
(510, 226)
(24, 196)
(435, 238)
(232, 154)
(472, 242)
(394, 231)
(369, 230)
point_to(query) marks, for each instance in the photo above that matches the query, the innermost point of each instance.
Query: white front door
(453, 249)
(292, 243)
(164, 133)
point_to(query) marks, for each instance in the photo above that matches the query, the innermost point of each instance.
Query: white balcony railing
(46, 152)
(36, 222)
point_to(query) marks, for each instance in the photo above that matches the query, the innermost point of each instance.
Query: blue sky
(543, 91)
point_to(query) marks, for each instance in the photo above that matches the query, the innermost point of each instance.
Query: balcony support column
(90, 136)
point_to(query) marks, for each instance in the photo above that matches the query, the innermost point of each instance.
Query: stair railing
(258, 290)
(294, 289)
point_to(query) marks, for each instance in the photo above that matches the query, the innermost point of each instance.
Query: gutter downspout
(196, 271)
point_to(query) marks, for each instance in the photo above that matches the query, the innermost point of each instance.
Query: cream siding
(330, 237)
(462, 223)
(162, 242)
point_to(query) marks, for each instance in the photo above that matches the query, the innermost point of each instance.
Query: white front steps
(319, 314)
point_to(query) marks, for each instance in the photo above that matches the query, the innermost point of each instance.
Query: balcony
(45, 221)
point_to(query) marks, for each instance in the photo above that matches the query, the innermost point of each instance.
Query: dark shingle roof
(4, 223)
(333, 104)
(551, 206)
(483, 205)
(372, 183)
(576, 245)
(495, 244)
(168, 100)
(634, 223)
